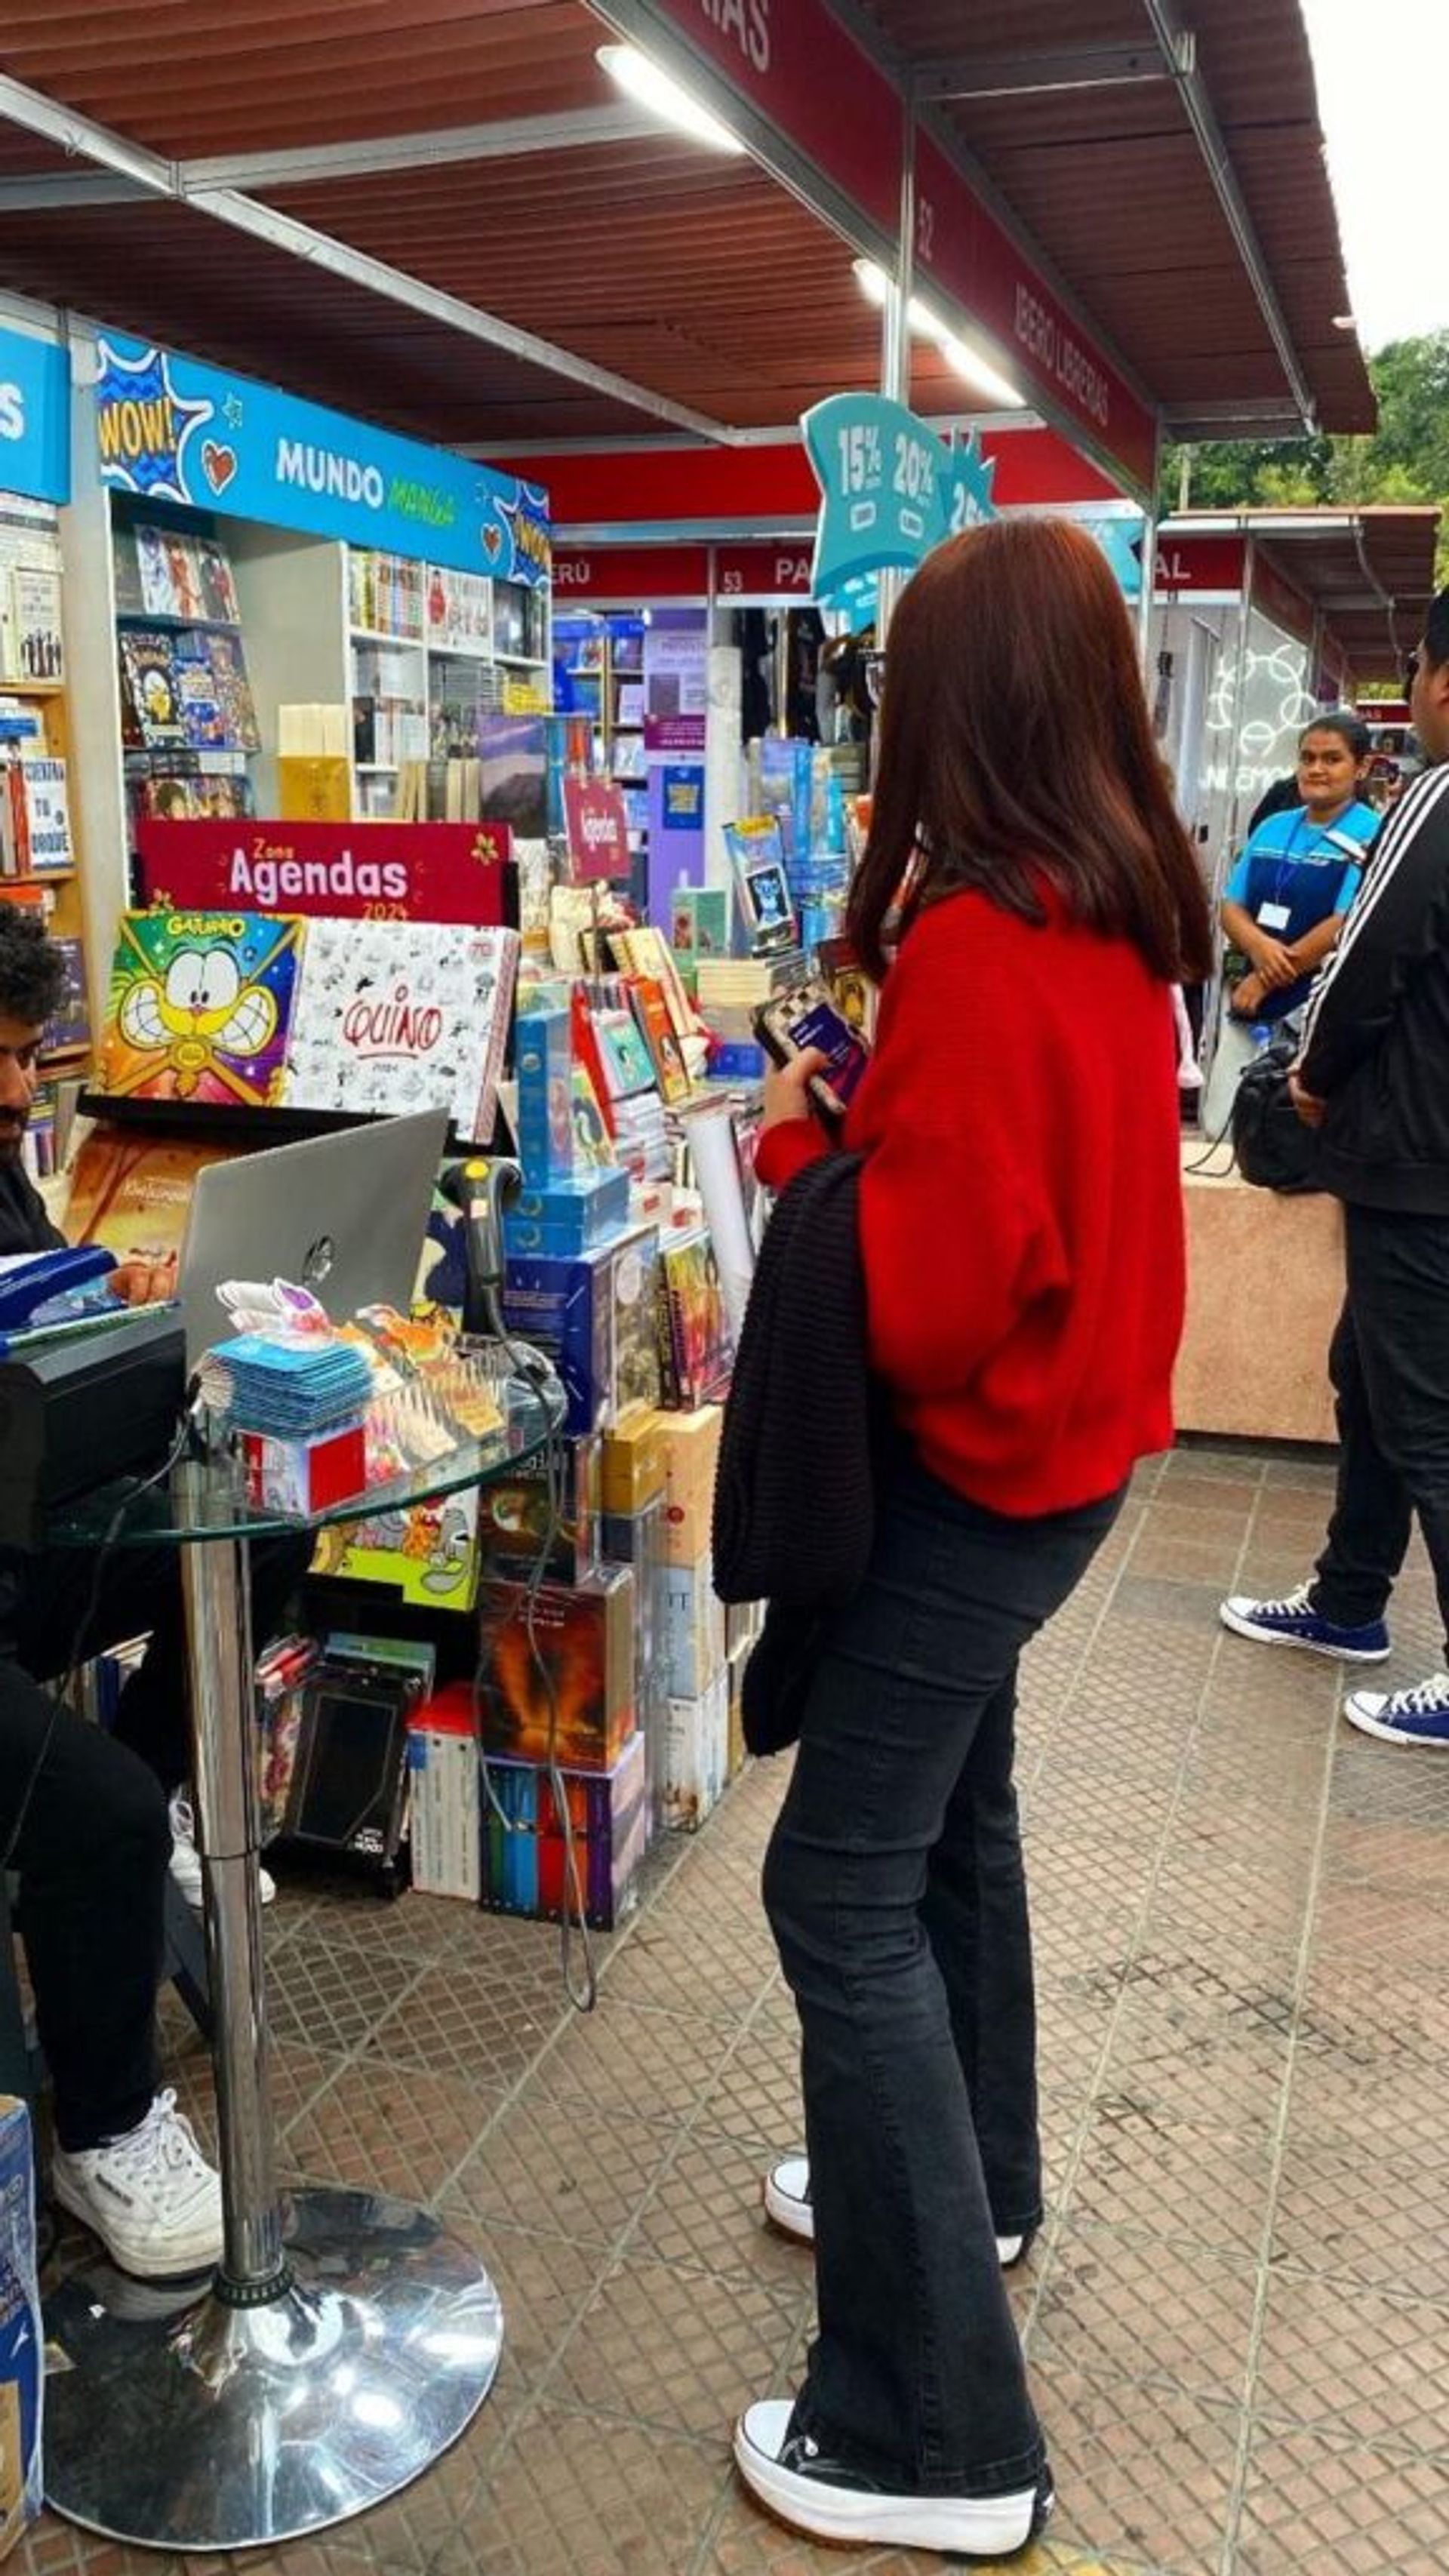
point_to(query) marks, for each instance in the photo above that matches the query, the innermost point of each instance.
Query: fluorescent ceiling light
(978, 373)
(875, 285)
(665, 97)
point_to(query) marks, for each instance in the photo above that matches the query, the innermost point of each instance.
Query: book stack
(186, 690)
(174, 573)
(385, 593)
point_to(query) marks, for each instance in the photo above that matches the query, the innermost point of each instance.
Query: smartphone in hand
(807, 1016)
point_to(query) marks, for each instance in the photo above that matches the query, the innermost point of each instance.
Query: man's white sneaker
(150, 2196)
(787, 2202)
(186, 1859)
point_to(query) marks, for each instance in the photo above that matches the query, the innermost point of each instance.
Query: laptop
(343, 1215)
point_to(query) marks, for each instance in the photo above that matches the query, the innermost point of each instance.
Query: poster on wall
(676, 689)
(170, 429)
(450, 872)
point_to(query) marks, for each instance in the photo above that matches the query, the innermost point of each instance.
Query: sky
(1383, 92)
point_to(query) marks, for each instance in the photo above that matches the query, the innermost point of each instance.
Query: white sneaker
(150, 2196)
(186, 1859)
(787, 2202)
(788, 2473)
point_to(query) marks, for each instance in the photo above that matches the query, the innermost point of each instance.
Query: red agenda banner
(598, 830)
(342, 871)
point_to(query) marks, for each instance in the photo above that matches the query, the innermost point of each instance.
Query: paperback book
(200, 1007)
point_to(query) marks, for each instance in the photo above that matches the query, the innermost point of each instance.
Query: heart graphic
(492, 541)
(218, 464)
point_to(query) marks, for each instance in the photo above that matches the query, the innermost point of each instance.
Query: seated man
(83, 1815)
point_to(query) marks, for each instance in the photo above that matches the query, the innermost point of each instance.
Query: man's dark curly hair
(32, 969)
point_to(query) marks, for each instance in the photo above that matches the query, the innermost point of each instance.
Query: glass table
(344, 2340)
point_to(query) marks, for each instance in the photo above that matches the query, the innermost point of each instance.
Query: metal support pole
(219, 1638)
(895, 355)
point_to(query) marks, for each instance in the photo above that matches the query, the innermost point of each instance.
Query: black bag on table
(1274, 1150)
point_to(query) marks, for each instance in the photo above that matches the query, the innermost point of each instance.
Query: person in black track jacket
(1373, 1076)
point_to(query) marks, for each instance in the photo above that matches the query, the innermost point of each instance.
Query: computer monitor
(344, 1215)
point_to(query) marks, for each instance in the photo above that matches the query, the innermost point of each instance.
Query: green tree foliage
(1406, 458)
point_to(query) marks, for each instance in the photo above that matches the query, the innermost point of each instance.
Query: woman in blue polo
(1285, 902)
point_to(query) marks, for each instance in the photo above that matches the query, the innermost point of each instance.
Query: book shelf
(599, 674)
(433, 653)
(40, 863)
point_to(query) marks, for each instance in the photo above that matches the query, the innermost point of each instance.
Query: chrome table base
(345, 2341)
(185, 2423)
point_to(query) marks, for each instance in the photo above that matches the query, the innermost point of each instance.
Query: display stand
(345, 2340)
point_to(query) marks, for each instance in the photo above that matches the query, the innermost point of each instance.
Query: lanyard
(1285, 860)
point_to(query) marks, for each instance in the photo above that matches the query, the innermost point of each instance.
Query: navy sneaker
(1293, 1621)
(802, 2486)
(1419, 1716)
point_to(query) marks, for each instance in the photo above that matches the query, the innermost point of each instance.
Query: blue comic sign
(890, 490)
(170, 429)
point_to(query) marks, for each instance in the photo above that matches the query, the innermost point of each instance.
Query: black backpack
(1274, 1150)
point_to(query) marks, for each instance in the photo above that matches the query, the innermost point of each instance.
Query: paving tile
(1375, 2219)
(564, 2169)
(706, 2212)
(331, 1996)
(471, 2023)
(1150, 2178)
(1353, 2362)
(677, 2347)
(658, 2064)
(1143, 2475)
(1341, 2509)
(390, 2128)
(570, 2496)
(755, 2093)
(1119, 2306)
(666, 1962)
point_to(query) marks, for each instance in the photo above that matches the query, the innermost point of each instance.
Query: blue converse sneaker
(1419, 1716)
(1293, 1621)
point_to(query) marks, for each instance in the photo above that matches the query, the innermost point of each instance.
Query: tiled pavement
(1238, 2317)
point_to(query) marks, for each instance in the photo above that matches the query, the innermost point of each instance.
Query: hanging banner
(34, 418)
(597, 829)
(170, 429)
(1121, 543)
(441, 872)
(890, 491)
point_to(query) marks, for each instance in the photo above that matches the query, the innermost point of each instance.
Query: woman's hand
(787, 1092)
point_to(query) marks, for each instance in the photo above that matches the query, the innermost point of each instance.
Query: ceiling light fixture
(959, 355)
(665, 97)
(875, 286)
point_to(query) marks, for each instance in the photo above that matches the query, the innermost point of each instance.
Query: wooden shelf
(39, 876)
(32, 688)
(64, 1055)
(375, 635)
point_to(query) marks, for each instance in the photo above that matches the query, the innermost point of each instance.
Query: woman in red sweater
(1021, 1235)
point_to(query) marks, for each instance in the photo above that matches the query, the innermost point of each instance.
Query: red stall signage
(598, 830)
(346, 871)
(763, 572)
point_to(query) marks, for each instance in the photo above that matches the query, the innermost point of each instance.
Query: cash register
(85, 1396)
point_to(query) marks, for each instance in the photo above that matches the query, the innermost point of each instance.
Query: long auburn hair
(1015, 750)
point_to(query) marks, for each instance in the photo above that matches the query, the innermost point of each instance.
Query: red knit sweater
(1020, 1203)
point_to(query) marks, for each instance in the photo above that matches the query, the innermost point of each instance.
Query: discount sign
(890, 490)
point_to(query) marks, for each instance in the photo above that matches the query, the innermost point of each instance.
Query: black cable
(63, 1690)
